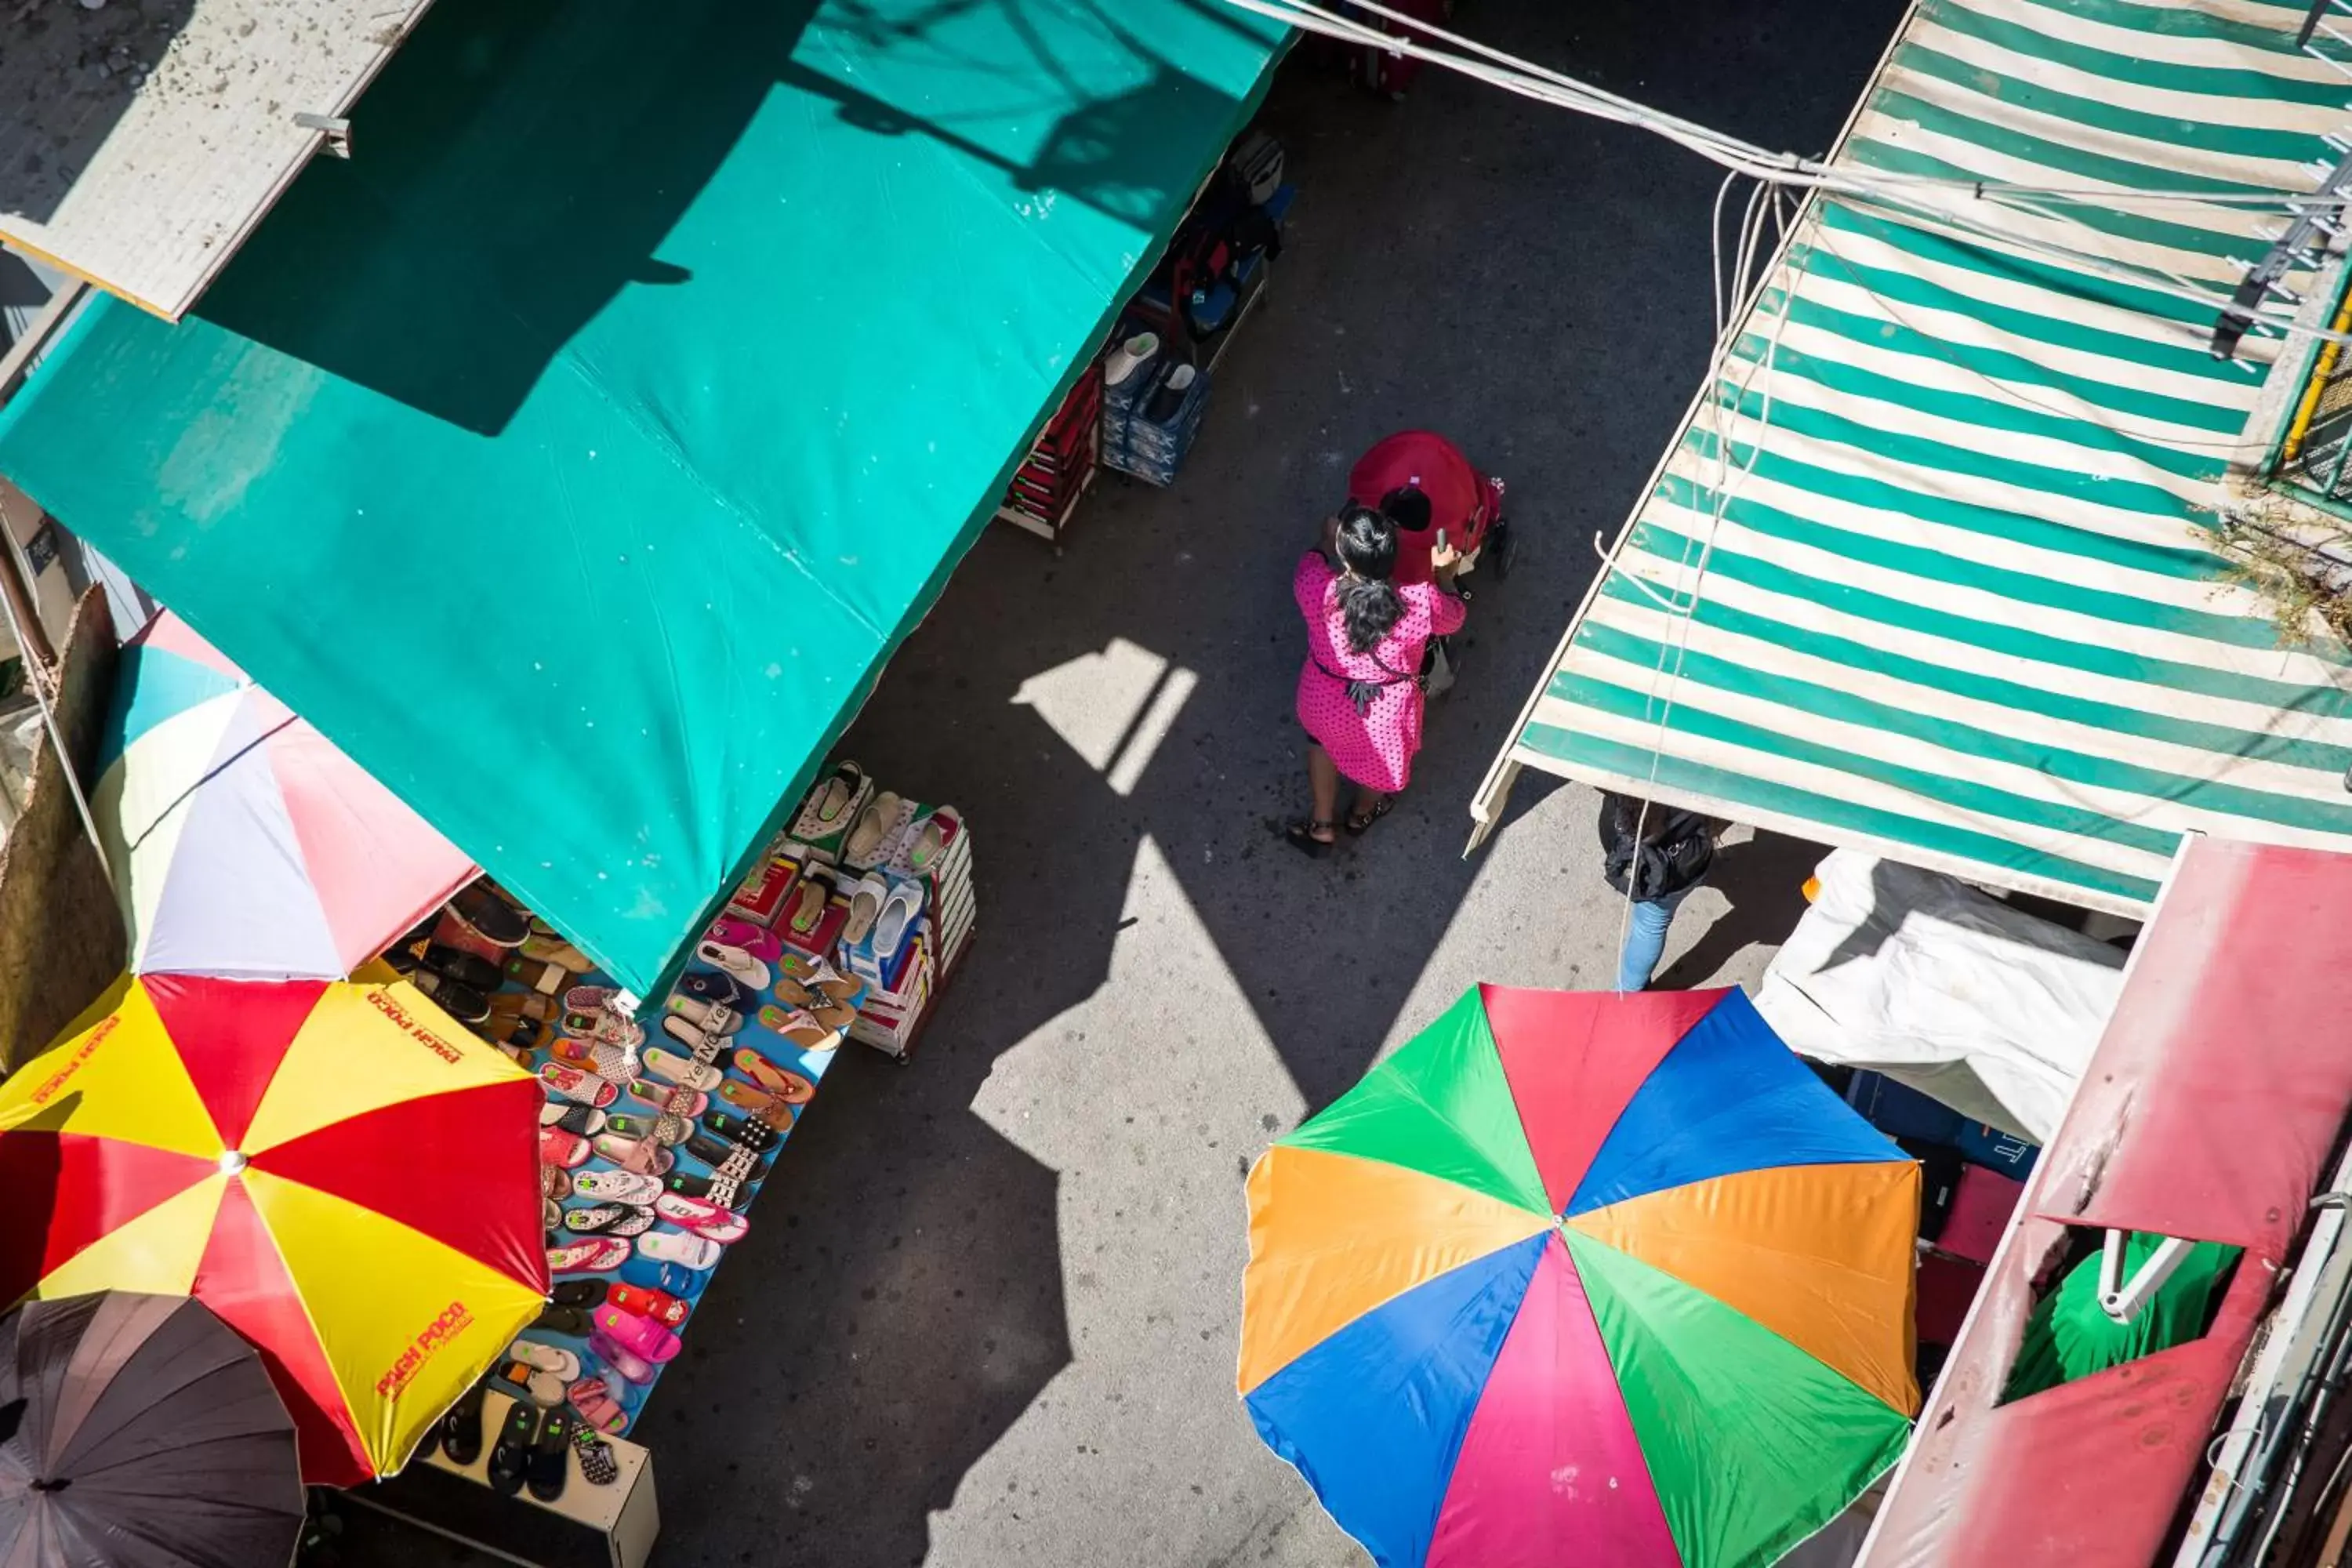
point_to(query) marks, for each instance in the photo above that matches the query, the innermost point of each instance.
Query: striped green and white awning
(1959, 474)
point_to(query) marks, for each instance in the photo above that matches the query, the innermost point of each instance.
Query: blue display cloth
(810, 1064)
(574, 454)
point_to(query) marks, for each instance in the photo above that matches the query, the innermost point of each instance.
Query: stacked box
(888, 1019)
(1133, 442)
(1046, 487)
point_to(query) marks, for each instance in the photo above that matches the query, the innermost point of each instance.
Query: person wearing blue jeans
(1656, 856)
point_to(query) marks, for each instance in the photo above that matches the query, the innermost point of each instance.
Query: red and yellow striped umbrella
(339, 1170)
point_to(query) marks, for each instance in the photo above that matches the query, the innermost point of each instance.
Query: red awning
(2214, 1098)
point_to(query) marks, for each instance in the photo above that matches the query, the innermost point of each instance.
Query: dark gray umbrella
(141, 1432)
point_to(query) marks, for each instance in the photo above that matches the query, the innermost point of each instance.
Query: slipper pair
(544, 1388)
(669, 1279)
(683, 1071)
(602, 1058)
(532, 1451)
(664, 1128)
(583, 1121)
(751, 1132)
(710, 1017)
(877, 826)
(658, 1305)
(592, 1399)
(577, 1083)
(597, 1466)
(460, 1430)
(934, 835)
(673, 1100)
(564, 1150)
(811, 897)
(704, 985)
(800, 1007)
(643, 1156)
(606, 1027)
(866, 901)
(555, 1182)
(711, 1222)
(682, 1247)
(756, 940)
(828, 805)
(641, 1336)
(619, 1357)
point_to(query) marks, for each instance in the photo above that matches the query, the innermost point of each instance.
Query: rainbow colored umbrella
(1581, 1277)
(243, 843)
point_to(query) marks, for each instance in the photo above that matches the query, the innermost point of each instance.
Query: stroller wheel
(1502, 544)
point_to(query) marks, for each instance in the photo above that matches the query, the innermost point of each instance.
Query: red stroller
(1464, 505)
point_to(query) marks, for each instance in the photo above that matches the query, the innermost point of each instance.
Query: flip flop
(684, 1072)
(509, 1457)
(542, 1388)
(708, 985)
(588, 998)
(549, 1465)
(640, 1335)
(555, 1182)
(706, 1219)
(809, 900)
(617, 1187)
(597, 1255)
(565, 1151)
(618, 1357)
(570, 1322)
(716, 1152)
(592, 1402)
(580, 1121)
(578, 1083)
(665, 1128)
(581, 1292)
(658, 1305)
(608, 1219)
(597, 1466)
(562, 1362)
(782, 1082)
(815, 974)
(550, 1214)
(727, 1186)
(673, 1099)
(735, 963)
(461, 1430)
(748, 1101)
(669, 1279)
(751, 1131)
(801, 1030)
(757, 941)
(679, 1247)
(802, 1005)
(710, 1017)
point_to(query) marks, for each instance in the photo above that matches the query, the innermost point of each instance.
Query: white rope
(1528, 79)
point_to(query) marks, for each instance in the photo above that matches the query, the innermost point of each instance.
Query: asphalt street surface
(989, 1309)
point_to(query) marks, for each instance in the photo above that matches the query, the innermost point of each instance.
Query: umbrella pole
(39, 688)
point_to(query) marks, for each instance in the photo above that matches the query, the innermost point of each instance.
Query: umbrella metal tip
(231, 1162)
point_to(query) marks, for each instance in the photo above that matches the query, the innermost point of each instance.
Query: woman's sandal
(1302, 836)
(1358, 821)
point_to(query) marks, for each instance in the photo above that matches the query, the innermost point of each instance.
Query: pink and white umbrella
(243, 843)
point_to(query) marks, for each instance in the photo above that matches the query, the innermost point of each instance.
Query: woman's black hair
(1367, 543)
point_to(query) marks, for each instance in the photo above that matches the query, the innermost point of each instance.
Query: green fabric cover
(1440, 1105)
(2069, 1337)
(574, 455)
(1674, 1347)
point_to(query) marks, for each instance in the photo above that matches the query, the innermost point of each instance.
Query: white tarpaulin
(1989, 1009)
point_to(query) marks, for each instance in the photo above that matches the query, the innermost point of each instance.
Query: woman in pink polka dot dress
(1359, 693)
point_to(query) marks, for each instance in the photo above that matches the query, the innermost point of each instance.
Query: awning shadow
(68, 77)
(518, 166)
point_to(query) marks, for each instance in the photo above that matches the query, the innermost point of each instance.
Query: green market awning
(575, 453)
(1961, 607)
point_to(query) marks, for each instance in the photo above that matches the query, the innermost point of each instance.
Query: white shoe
(865, 901)
(899, 913)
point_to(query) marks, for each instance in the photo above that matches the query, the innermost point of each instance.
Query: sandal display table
(588, 1526)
